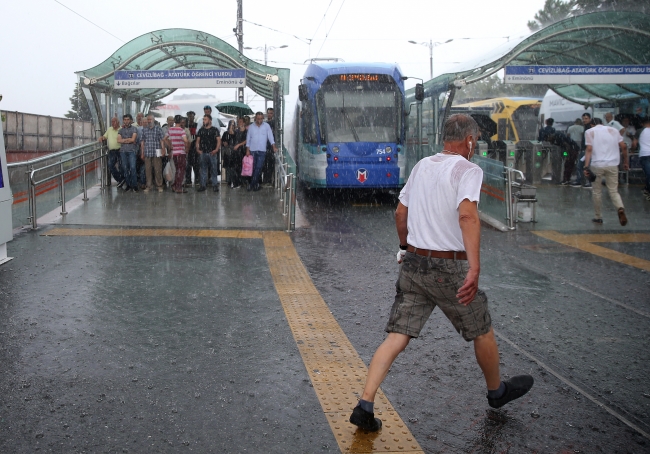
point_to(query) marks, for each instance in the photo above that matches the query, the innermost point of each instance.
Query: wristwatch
(403, 247)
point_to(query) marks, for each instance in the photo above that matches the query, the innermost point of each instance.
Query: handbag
(247, 166)
(170, 171)
(591, 176)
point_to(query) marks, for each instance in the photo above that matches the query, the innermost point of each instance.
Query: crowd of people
(599, 150)
(143, 154)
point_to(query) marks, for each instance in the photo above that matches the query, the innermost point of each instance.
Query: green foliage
(80, 109)
(493, 87)
(556, 10)
(153, 106)
(553, 11)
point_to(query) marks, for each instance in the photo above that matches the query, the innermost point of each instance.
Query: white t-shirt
(644, 142)
(629, 132)
(432, 194)
(616, 125)
(604, 141)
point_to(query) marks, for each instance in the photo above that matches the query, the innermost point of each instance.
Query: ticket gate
(6, 201)
(530, 156)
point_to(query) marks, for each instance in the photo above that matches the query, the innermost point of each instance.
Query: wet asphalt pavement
(537, 297)
(200, 357)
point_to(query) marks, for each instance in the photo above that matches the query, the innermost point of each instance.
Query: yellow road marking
(333, 365)
(586, 243)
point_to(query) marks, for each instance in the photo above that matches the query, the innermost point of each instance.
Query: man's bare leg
(487, 356)
(381, 361)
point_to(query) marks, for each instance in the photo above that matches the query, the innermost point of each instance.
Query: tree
(153, 106)
(553, 11)
(588, 6)
(80, 109)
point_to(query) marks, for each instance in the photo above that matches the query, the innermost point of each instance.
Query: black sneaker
(135, 189)
(215, 188)
(121, 183)
(201, 189)
(564, 183)
(515, 388)
(364, 420)
(127, 189)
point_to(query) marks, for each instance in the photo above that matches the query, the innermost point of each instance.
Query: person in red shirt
(179, 149)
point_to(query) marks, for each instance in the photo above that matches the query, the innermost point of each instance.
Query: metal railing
(285, 184)
(58, 170)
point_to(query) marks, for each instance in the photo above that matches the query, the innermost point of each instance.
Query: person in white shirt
(602, 156)
(609, 121)
(440, 233)
(644, 155)
(629, 132)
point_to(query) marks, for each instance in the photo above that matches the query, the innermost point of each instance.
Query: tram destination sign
(575, 74)
(186, 78)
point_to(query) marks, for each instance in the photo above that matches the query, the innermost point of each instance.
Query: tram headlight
(388, 149)
(335, 149)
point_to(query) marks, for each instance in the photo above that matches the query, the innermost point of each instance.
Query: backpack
(247, 166)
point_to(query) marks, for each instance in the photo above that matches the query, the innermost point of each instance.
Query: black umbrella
(235, 108)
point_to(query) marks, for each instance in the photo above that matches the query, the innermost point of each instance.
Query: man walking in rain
(603, 156)
(439, 233)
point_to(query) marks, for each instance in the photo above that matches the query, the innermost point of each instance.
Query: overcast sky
(44, 43)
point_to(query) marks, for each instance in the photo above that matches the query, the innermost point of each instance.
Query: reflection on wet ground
(163, 342)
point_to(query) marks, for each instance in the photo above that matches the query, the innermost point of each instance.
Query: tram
(349, 126)
(516, 117)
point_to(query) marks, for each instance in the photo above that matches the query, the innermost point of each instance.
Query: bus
(348, 126)
(516, 118)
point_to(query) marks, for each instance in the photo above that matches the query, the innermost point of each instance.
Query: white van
(565, 112)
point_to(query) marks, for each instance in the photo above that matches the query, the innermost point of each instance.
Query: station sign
(578, 74)
(185, 78)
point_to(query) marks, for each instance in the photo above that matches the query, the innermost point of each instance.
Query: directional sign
(187, 78)
(570, 74)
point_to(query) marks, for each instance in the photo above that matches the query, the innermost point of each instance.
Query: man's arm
(626, 164)
(218, 146)
(470, 226)
(198, 145)
(401, 218)
(271, 138)
(588, 151)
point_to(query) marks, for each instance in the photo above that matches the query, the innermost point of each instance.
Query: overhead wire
(86, 19)
(304, 40)
(328, 31)
(321, 21)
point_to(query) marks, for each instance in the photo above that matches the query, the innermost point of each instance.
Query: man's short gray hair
(459, 126)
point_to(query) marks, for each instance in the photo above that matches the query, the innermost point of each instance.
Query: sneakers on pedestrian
(146, 190)
(365, 420)
(215, 188)
(621, 216)
(597, 221)
(586, 185)
(515, 388)
(575, 184)
(160, 189)
(236, 187)
(201, 189)
(564, 183)
(121, 183)
(135, 189)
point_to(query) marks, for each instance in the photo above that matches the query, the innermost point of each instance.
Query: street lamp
(266, 50)
(431, 45)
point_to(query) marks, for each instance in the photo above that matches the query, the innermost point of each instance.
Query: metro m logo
(362, 175)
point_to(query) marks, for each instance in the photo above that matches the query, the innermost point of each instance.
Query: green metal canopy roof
(600, 38)
(178, 48)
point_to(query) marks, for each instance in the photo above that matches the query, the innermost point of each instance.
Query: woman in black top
(239, 150)
(227, 144)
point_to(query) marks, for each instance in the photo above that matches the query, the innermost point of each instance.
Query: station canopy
(600, 38)
(177, 48)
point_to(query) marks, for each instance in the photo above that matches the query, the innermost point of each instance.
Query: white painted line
(577, 388)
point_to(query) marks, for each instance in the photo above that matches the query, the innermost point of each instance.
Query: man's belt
(454, 255)
(114, 149)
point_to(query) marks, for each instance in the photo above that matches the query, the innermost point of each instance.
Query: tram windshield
(359, 110)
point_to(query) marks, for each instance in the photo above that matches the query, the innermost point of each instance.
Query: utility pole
(240, 39)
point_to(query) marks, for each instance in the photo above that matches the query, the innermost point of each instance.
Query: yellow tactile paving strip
(334, 366)
(587, 242)
(155, 232)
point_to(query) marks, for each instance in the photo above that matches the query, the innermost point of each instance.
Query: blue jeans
(113, 159)
(128, 169)
(645, 165)
(211, 161)
(581, 167)
(258, 163)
